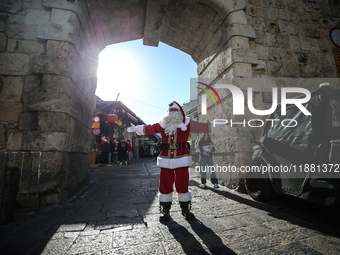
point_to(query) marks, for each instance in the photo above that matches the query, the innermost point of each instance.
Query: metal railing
(14, 163)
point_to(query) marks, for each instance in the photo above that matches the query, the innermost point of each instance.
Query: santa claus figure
(103, 140)
(174, 159)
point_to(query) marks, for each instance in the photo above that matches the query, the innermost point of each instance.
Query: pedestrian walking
(206, 147)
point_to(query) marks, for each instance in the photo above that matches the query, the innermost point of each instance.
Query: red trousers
(179, 176)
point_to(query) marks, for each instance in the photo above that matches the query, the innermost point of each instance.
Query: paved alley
(117, 213)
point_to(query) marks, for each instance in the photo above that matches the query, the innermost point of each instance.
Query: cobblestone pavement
(118, 214)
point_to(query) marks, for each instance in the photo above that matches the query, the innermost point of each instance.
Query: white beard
(171, 121)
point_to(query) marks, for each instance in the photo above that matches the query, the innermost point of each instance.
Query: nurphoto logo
(238, 104)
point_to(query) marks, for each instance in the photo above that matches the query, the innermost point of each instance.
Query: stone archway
(49, 51)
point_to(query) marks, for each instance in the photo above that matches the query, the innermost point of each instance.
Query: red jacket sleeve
(198, 127)
(152, 129)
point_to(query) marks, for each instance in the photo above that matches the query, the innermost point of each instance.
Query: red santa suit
(174, 159)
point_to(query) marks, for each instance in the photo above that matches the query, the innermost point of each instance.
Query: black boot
(186, 206)
(164, 208)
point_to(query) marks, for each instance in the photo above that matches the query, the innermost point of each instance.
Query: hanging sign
(96, 131)
(334, 35)
(96, 119)
(95, 125)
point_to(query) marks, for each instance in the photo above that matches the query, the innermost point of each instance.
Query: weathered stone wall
(264, 39)
(48, 64)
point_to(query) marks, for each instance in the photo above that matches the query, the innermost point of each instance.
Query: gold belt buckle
(173, 146)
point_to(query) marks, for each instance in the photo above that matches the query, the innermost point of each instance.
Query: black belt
(175, 146)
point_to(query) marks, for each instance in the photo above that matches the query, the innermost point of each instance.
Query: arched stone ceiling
(187, 25)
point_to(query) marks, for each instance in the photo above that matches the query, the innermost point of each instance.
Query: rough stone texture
(14, 141)
(119, 214)
(2, 136)
(49, 51)
(14, 64)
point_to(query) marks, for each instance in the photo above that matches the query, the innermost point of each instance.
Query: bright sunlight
(118, 72)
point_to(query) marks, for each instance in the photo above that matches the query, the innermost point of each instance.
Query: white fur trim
(182, 125)
(172, 163)
(165, 197)
(184, 197)
(140, 130)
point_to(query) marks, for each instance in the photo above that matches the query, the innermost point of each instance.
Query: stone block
(12, 45)
(273, 13)
(310, 6)
(310, 30)
(251, 9)
(260, 38)
(287, 15)
(266, 3)
(10, 111)
(309, 71)
(14, 64)
(262, 12)
(30, 47)
(25, 25)
(237, 17)
(275, 68)
(45, 65)
(3, 135)
(290, 56)
(272, 26)
(329, 71)
(14, 141)
(293, 5)
(309, 43)
(294, 42)
(261, 66)
(238, 42)
(63, 26)
(3, 17)
(3, 42)
(60, 49)
(43, 101)
(282, 41)
(241, 30)
(58, 84)
(11, 6)
(270, 39)
(29, 121)
(292, 70)
(262, 52)
(12, 88)
(276, 54)
(287, 27)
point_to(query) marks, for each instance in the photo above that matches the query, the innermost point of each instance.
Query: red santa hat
(175, 105)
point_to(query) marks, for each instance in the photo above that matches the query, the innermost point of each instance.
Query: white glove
(219, 127)
(132, 128)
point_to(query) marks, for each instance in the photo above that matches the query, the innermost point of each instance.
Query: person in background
(114, 150)
(129, 151)
(206, 147)
(197, 150)
(122, 151)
